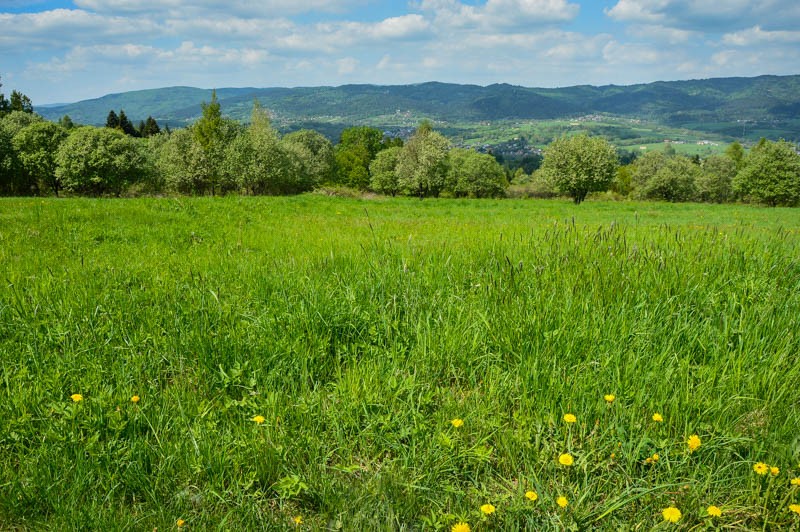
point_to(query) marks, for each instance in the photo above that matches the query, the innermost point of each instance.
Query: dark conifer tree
(151, 127)
(113, 120)
(20, 102)
(125, 124)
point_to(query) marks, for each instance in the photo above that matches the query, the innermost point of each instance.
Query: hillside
(771, 103)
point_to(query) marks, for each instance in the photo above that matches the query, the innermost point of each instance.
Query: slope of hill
(714, 104)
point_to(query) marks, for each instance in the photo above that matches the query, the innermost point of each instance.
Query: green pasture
(305, 357)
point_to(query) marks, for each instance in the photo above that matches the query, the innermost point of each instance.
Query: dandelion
(457, 422)
(487, 509)
(774, 471)
(795, 508)
(76, 397)
(761, 468)
(658, 418)
(298, 520)
(460, 527)
(570, 418)
(531, 495)
(135, 399)
(609, 398)
(566, 459)
(671, 514)
(796, 481)
(259, 419)
(693, 442)
(562, 501)
(653, 459)
(179, 523)
(714, 511)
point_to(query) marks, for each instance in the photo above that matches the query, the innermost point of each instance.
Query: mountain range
(710, 104)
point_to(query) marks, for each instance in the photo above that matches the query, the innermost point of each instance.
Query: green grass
(359, 329)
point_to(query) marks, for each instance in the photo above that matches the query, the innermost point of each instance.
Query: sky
(63, 51)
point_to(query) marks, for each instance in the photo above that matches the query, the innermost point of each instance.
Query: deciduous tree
(36, 146)
(422, 166)
(579, 165)
(771, 174)
(97, 161)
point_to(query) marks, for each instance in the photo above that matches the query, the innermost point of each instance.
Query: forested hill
(675, 103)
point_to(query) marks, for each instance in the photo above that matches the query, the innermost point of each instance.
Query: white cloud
(500, 13)
(263, 8)
(661, 33)
(707, 16)
(616, 53)
(58, 27)
(756, 35)
(347, 65)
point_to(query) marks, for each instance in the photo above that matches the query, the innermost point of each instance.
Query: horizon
(61, 51)
(63, 103)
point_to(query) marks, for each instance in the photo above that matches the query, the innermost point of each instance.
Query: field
(246, 363)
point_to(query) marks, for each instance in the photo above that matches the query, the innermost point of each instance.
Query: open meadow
(330, 363)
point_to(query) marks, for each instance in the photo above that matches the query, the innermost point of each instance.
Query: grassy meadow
(325, 363)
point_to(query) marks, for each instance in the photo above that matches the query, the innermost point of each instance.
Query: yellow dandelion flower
(774, 470)
(609, 398)
(259, 419)
(796, 481)
(566, 459)
(795, 508)
(671, 514)
(714, 511)
(694, 443)
(76, 397)
(655, 457)
(531, 495)
(298, 520)
(135, 399)
(658, 418)
(570, 418)
(179, 523)
(761, 468)
(460, 527)
(613, 455)
(487, 509)
(457, 422)
(562, 501)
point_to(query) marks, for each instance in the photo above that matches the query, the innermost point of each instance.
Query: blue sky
(64, 51)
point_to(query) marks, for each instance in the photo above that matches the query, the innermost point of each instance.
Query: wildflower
(179, 523)
(570, 418)
(457, 422)
(531, 495)
(76, 397)
(796, 481)
(460, 527)
(774, 470)
(761, 468)
(487, 509)
(714, 511)
(258, 419)
(609, 398)
(298, 520)
(657, 418)
(135, 399)
(653, 459)
(613, 455)
(566, 459)
(562, 501)
(671, 514)
(795, 508)
(693, 442)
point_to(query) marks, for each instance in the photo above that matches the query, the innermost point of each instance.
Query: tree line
(217, 155)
